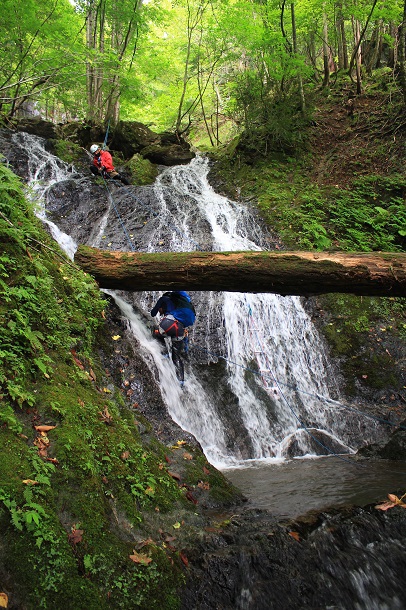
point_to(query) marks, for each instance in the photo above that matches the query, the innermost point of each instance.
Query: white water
(44, 170)
(254, 331)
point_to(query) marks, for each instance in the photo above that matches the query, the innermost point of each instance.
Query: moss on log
(286, 273)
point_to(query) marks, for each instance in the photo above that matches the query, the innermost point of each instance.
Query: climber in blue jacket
(178, 304)
(178, 313)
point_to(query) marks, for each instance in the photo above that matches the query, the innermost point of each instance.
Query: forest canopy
(218, 67)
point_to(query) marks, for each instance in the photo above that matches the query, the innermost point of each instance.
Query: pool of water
(291, 488)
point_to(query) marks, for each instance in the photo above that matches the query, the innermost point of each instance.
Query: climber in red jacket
(103, 164)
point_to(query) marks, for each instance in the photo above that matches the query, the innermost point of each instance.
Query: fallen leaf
(174, 475)
(295, 535)
(191, 498)
(143, 543)
(3, 600)
(116, 337)
(385, 505)
(105, 416)
(140, 558)
(176, 525)
(53, 460)
(92, 375)
(125, 455)
(187, 456)
(41, 442)
(44, 428)
(184, 559)
(206, 470)
(393, 498)
(30, 482)
(76, 359)
(75, 536)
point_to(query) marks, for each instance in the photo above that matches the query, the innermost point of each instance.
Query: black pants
(177, 348)
(98, 172)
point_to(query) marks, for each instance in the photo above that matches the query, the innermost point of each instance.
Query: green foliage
(68, 531)
(68, 151)
(371, 215)
(359, 332)
(39, 311)
(35, 61)
(142, 170)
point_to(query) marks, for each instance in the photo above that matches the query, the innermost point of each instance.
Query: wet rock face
(343, 560)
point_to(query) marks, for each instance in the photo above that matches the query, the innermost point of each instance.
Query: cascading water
(255, 379)
(269, 368)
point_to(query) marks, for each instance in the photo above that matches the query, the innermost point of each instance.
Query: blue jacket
(178, 304)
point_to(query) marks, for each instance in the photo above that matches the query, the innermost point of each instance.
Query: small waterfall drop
(265, 404)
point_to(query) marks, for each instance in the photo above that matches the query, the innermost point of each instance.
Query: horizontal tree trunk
(286, 273)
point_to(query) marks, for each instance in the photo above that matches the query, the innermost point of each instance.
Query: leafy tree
(112, 31)
(40, 52)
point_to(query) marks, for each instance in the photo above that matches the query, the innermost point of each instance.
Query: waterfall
(258, 381)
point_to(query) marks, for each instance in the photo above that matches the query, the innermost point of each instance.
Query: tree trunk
(341, 41)
(402, 54)
(286, 273)
(299, 76)
(326, 51)
(357, 54)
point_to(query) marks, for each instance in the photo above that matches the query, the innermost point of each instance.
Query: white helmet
(93, 148)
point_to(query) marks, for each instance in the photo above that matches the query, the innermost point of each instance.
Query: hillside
(345, 189)
(105, 507)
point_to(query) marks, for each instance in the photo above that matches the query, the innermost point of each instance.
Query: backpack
(184, 309)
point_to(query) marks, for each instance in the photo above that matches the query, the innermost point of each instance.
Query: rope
(106, 136)
(297, 389)
(118, 215)
(261, 373)
(169, 224)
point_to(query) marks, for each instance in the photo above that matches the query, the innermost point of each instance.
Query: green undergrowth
(363, 333)
(365, 211)
(79, 474)
(368, 215)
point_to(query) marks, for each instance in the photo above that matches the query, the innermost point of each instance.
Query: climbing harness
(173, 333)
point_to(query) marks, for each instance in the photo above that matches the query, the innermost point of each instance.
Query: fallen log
(285, 273)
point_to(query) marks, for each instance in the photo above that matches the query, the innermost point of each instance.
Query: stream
(261, 396)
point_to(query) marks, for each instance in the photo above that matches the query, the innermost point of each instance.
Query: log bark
(285, 273)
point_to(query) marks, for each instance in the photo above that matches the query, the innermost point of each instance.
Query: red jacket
(104, 159)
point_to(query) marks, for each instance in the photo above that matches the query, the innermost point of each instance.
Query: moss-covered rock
(142, 171)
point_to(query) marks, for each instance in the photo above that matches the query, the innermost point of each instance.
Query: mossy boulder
(142, 171)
